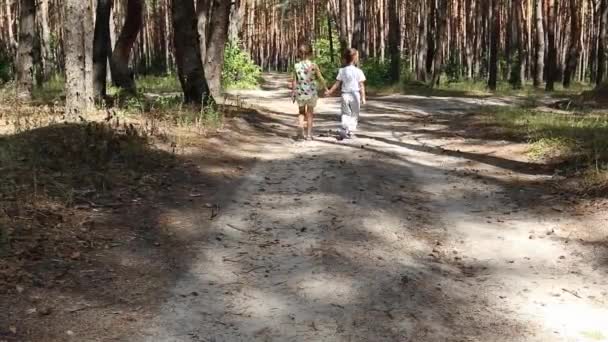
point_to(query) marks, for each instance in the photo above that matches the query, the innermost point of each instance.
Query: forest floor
(429, 226)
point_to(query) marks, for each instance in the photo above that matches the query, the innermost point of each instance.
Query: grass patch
(51, 91)
(594, 335)
(579, 140)
(473, 89)
(159, 84)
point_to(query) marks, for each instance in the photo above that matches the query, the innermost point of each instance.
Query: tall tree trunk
(236, 20)
(422, 42)
(332, 53)
(442, 23)
(25, 52)
(574, 49)
(517, 36)
(45, 36)
(359, 41)
(552, 51)
(602, 43)
(10, 21)
(539, 68)
(217, 35)
(471, 34)
(122, 76)
(345, 43)
(394, 40)
(78, 40)
(188, 54)
(494, 41)
(102, 47)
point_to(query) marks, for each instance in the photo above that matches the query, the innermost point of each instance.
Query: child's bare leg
(310, 113)
(301, 120)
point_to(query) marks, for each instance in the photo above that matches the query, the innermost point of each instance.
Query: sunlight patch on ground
(328, 288)
(579, 322)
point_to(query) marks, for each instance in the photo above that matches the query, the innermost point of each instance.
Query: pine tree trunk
(469, 42)
(602, 43)
(359, 42)
(188, 54)
(494, 42)
(25, 51)
(517, 37)
(10, 21)
(78, 41)
(217, 35)
(442, 23)
(102, 47)
(394, 40)
(574, 50)
(345, 43)
(540, 45)
(421, 73)
(122, 76)
(45, 36)
(552, 51)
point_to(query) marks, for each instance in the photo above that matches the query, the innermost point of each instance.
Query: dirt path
(408, 233)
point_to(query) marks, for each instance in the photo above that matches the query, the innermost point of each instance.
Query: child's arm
(293, 85)
(333, 88)
(363, 95)
(320, 77)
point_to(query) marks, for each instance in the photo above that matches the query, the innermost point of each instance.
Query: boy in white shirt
(351, 80)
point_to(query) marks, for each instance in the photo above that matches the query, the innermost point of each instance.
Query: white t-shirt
(350, 77)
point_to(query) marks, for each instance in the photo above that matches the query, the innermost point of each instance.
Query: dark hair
(304, 51)
(350, 56)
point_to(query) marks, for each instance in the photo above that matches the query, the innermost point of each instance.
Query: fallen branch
(572, 293)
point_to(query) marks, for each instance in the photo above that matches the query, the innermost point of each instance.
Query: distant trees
(547, 42)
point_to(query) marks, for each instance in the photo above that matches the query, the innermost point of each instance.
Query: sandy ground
(388, 237)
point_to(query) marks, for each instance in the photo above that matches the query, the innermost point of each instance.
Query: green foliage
(159, 84)
(239, 69)
(580, 138)
(50, 91)
(329, 68)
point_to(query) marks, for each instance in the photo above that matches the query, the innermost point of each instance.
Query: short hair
(304, 50)
(350, 55)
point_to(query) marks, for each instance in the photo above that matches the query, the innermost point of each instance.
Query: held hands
(328, 92)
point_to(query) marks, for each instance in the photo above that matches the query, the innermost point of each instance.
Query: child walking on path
(304, 90)
(351, 80)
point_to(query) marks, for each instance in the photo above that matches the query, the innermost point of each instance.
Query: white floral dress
(306, 85)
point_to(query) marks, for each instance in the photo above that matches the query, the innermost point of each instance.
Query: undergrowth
(578, 140)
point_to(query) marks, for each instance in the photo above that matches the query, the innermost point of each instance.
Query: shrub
(240, 71)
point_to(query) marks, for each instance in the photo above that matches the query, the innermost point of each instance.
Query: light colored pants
(351, 107)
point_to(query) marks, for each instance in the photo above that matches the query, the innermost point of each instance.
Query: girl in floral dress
(304, 90)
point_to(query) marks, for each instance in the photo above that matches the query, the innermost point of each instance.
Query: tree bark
(45, 37)
(602, 43)
(394, 40)
(102, 47)
(122, 76)
(574, 50)
(359, 41)
(552, 51)
(217, 35)
(442, 23)
(494, 42)
(25, 51)
(345, 43)
(78, 40)
(188, 54)
(422, 42)
(517, 37)
(540, 44)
